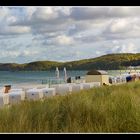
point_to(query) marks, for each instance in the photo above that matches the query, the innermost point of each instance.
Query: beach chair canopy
(97, 72)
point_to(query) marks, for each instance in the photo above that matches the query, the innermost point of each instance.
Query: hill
(105, 62)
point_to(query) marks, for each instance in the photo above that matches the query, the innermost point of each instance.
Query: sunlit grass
(103, 109)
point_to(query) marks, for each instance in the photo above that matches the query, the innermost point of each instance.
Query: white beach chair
(33, 94)
(63, 89)
(4, 99)
(48, 92)
(76, 87)
(16, 97)
(87, 85)
(2, 90)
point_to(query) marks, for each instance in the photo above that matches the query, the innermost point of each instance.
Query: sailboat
(57, 73)
(65, 74)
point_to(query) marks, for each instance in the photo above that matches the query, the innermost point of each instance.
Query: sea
(33, 77)
(38, 77)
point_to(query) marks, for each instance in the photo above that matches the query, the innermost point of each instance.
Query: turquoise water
(7, 77)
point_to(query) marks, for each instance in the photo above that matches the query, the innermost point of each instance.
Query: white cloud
(12, 30)
(81, 32)
(86, 13)
(124, 48)
(44, 14)
(4, 11)
(130, 48)
(121, 25)
(29, 52)
(11, 19)
(63, 40)
(9, 53)
(29, 10)
(125, 28)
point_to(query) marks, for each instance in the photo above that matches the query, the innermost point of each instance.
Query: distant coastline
(105, 62)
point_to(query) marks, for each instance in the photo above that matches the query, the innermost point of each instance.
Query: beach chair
(48, 92)
(4, 99)
(33, 94)
(63, 89)
(76, 87)
(16, 97)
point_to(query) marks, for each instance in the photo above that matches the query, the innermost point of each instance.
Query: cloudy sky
(67, 33)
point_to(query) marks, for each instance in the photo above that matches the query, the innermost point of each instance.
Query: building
(133, 67)
(97, 76)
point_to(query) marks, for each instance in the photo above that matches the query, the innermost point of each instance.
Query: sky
(64, 33)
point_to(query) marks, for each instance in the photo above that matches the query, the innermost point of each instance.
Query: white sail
(57, 73)
(65, 74)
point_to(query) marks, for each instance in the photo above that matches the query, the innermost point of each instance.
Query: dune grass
(103, 109)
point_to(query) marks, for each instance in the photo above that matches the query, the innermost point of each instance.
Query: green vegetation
(103, 109)
(106, 62)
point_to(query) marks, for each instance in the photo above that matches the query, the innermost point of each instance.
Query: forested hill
(105, 62)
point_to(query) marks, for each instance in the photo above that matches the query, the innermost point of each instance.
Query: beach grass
(104, 109)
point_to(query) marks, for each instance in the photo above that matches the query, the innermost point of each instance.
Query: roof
(97, 72)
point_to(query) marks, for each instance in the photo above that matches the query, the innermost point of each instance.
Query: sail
(57, 73)
(65, 74)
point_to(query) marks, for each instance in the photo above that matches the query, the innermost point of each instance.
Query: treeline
(105, 62)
